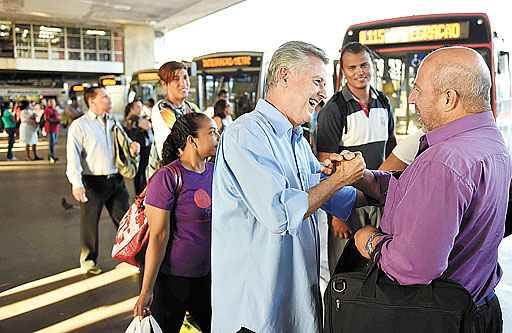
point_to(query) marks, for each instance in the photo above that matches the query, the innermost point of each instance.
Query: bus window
(239, 73)
(394, 75)
(241, 86)
(504, 98)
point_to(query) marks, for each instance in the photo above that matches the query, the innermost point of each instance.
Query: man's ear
(283, 75)
(450, 99)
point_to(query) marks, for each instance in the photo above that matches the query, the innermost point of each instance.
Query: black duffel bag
(362, 302)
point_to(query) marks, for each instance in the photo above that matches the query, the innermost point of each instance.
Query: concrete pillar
(139, 48)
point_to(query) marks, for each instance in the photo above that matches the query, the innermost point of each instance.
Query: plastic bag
(143, 326)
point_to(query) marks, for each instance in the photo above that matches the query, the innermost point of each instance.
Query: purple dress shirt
(447, 210)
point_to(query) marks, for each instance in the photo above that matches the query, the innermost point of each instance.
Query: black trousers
(100, 191)
(10, 143)
(487, 318)
(174, 295)
(139, 181)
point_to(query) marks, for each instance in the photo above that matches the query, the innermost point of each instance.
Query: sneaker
(12, 159)
(95, 270)
(53, 159)
(89, 267)
(37, 158)
(92, 270)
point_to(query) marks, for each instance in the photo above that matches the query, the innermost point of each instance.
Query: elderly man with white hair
(266, 190)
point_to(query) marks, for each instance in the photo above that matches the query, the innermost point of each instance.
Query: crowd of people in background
(28, 121)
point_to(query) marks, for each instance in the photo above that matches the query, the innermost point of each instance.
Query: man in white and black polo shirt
(357, 118)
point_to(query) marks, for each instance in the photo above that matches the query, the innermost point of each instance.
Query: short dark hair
(166, 71)
(219, 107)
(90, 93)
(354, 48)
(222, 92)
(23, 104)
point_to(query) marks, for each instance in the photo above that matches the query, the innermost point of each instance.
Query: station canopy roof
(161, 15)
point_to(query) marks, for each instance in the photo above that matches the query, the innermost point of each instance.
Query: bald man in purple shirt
(446, 212)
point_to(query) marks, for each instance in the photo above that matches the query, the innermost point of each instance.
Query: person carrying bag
(177, 260)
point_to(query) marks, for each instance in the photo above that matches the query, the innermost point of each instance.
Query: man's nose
(322, 92)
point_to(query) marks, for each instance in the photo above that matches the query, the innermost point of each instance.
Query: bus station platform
(41, 286)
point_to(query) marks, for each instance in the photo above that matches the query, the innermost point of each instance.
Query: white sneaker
(12, 158)
(90, 269)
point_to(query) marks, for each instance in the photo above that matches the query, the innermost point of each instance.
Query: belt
(104, 177)
(490, 296)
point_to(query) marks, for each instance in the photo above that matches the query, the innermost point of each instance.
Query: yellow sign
(150, 76)
(415, 33)
(227, 62)
(78, 88)
(108, 82)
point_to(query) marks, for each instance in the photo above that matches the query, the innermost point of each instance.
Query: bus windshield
(241, 86)
(394, 74)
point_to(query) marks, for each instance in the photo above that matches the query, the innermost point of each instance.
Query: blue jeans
(52, 139)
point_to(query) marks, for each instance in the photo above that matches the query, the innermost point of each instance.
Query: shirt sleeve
(330, 128)
(160, 129)
(74, 149)
(259, 181)
(160, 190)
(424, 224)
(341, 203)
(407, 149)
(391, 142)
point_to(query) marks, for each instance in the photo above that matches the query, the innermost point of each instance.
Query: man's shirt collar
(277, 120)
(347, 94)
(464, 124)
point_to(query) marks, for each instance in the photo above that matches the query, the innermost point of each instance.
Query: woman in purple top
(177, 265)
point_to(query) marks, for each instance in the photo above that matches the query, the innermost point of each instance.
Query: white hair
(291, 55)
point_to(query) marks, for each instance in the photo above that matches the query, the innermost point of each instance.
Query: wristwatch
(369, 243)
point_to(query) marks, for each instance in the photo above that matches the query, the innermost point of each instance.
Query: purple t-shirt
(188, 250)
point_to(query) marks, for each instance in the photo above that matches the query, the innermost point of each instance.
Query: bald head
(463, 70)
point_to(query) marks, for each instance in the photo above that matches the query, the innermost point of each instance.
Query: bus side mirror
(503, 62)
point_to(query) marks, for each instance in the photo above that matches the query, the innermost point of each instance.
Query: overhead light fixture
(120, 7)
(50, 29)
(3, 27)
(96, 32)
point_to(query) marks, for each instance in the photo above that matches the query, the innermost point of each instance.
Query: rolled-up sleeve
(262, 185)
(341, 203)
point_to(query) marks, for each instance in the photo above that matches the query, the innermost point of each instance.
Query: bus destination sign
(238, 61)
(415, 33)
(148, 76)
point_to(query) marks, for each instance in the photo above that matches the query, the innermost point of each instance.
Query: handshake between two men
(347, 167)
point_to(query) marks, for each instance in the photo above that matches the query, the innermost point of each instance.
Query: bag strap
(177, 180)
(343, 108)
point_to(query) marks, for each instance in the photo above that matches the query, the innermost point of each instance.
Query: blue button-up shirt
(265, 256)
